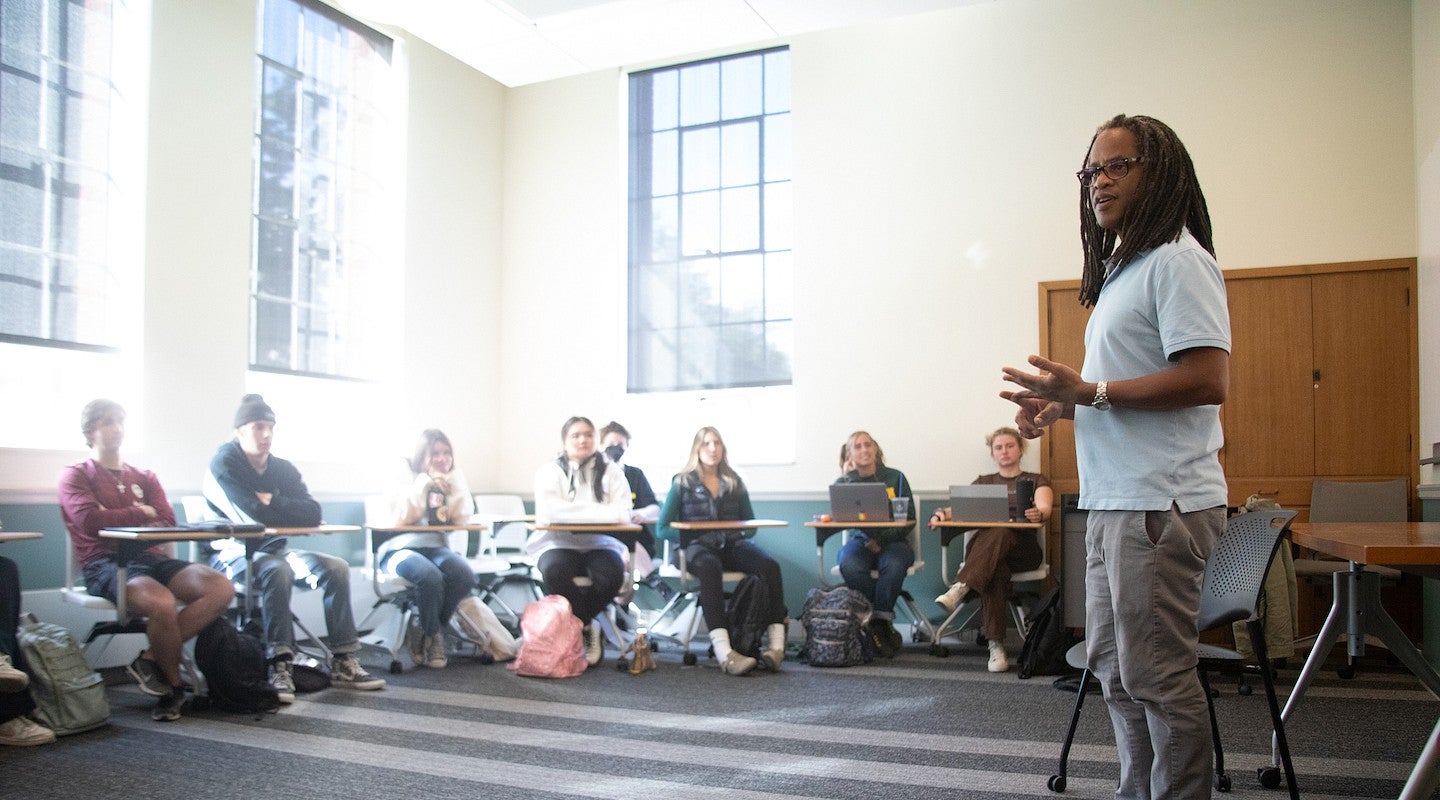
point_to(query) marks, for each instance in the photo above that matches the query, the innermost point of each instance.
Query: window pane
(665, 163)
(740, 84)
(654, 308)
(740, 154)
(777, 81)
(742, 353)
(779, 351)
(777, 148)
(742, 288)
(272, 334)
(699, 286)
(665, 89)
(777, 216)
(697, 366)
(740, 219)
(700, 221)
(701, 167)
(699, 94)
(779, 286)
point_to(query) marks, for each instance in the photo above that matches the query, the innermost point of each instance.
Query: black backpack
(234, 666)
(1048, 640)
(749, 604)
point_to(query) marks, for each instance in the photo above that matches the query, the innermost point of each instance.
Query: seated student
(16, 729)
(886, 550)
(995, 553)
(436, 495)
(708, 489)
(580, 484)
(247, 484)
(105, 492)
(644, 508)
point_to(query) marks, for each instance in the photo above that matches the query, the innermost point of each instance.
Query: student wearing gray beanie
(246, 483)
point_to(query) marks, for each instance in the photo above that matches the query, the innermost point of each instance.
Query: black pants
(12, 704)
(604, 568)
(708, 566)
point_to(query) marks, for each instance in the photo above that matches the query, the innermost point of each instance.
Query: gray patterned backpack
(834, 623)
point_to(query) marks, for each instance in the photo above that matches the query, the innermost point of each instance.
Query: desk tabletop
(840, 526)
(15, 536)
(1381, 543)
(728, 524)
(962, 523)
(174, 534)
(589, 527)
(418, 528)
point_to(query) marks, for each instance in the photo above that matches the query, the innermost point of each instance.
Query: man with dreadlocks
(1147, 435)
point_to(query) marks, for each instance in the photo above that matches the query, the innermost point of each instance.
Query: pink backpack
(550, 641)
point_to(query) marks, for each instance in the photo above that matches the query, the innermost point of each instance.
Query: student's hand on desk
(942, 514)
(1032, 514)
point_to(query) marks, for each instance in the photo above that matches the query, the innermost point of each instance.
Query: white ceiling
(526, 41)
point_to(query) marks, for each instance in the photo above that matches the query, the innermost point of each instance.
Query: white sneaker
(999, 662)
(347, 673)
(22, 732)
(282, 680)
(950, 600)
(11, 679)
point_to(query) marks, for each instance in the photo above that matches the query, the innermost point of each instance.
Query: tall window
(59, 283)
(321, 155)
(710, 269)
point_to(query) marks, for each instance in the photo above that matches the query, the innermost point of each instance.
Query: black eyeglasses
(1115, 169)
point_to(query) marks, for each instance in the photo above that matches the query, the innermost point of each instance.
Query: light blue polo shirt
(1167, 300)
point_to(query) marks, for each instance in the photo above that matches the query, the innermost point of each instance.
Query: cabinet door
(1269, 414)
(1362, 353)
(1064, 341)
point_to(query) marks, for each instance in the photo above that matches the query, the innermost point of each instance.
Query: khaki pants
(1142, 597)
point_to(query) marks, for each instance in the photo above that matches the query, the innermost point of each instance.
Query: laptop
(982, 503)
(859, 502)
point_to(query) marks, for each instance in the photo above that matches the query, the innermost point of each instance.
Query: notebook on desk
(980, 503)
(859, 502)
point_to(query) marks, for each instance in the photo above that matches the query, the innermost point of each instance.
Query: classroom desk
(824, 530)
(15, 536)
(1408, 546)
(627, 533)
(131, 542)
(951, 528)
(252, 542)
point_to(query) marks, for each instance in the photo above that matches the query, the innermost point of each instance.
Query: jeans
(1142, 585)
(441, 579)
(277, 573)
(856, 562)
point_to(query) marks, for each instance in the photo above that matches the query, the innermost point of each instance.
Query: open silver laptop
(982, 503)
(859, 502)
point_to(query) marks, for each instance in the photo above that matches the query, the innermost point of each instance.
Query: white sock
(720, 640)
(775, 636)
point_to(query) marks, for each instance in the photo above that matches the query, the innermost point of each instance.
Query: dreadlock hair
(1167, 202)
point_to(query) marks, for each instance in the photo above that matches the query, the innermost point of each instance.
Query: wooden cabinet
(1324, 378)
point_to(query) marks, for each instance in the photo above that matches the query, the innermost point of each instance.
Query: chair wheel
(939, 651)
(395, 668)
(654, 647)
(1346, 672)
(980, 640)
(1245, 690)
(1269, 777)
(486, 658)
(689, 660)
(1056, 783)
(622, 664)
(1222, 782)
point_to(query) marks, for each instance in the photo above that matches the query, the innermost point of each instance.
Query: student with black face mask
(645, 508)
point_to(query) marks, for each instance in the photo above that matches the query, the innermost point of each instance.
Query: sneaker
(737, 664)
(435, 651)
(11, 679)
(148, 676)
(770, 659)
(896, 640)
(167, 709)
(22, 732)
(282, 680)
(999, 662)
(950, 600)
(594, 644)
(880, 637)
(415, 642)
(346, 672)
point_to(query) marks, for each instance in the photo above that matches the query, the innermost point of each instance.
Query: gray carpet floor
(912, 727)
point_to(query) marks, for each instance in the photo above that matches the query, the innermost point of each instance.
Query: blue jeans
(277, 573)
(441, 579)
(856, 562)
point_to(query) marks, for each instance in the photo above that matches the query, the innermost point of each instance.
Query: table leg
(1425, 778)
(1375, 619)
(125, 552)
(1324, 643)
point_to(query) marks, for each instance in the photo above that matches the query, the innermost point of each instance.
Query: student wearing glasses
(1147, 435)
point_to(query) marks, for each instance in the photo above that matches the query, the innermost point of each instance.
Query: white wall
(933, 190)
(1426, 36)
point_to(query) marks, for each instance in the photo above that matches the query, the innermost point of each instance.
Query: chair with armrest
(921, 628)
(197, 509)
(964, 614)
(498, 555)
(390, 589)
(1230, 591)
(1350, 501)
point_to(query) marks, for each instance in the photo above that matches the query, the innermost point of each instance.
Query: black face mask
(614, 452)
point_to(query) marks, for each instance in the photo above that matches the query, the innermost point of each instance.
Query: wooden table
(824, 530)
(1408, 546)
(15, 536)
